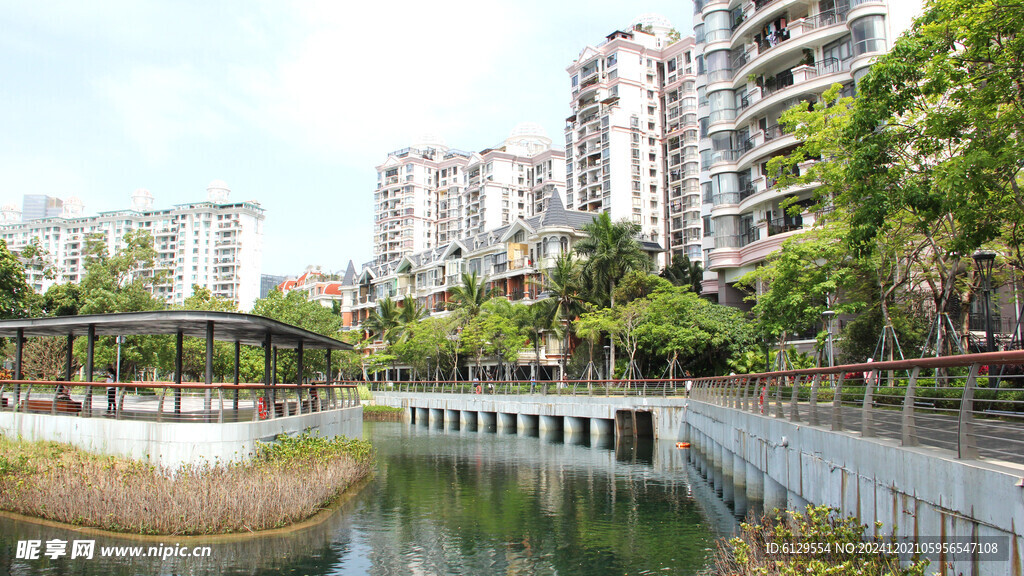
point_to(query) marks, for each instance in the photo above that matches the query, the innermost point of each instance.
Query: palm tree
(412, 311)
(612, 251)
(683, 272)
(384, 321)
(565, 292)
(470, 296)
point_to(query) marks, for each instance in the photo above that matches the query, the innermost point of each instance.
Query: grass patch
(286, 482)
(375, 413)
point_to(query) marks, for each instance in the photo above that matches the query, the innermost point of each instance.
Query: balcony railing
(786, 224)
(772, 132)
(829, 18)
(779, 82)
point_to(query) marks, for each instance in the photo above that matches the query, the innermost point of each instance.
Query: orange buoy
(682, 444)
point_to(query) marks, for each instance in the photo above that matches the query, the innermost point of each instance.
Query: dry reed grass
(58, 482)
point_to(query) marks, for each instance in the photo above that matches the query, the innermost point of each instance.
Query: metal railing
(171, 402)
(972, 405)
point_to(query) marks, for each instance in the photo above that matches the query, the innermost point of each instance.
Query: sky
(293, 104)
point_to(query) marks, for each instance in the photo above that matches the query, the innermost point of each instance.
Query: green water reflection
(450, 502)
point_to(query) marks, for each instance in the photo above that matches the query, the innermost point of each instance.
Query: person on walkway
(533, 383)
(111, 391)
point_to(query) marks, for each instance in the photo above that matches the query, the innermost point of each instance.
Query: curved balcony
(764, 11)
(816, 30)
(805, 79)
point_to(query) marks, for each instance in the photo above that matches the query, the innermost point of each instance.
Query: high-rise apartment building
(217, 244)
(631, 138)
(755, 60)
(429, 195)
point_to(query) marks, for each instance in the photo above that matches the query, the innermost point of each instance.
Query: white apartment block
(217, 244)
(755, 60)
(429, 195)
(631, 139)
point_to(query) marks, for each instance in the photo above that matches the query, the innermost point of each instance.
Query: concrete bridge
(873, 440)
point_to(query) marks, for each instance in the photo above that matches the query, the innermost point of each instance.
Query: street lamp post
(985, 259)
(827, 316)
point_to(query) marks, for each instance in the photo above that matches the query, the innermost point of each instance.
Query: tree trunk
(611, 340)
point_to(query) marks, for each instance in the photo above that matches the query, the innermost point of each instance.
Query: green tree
(429, 346)
(62, 300)
(296, 309)
(117, 283)
(691, 332)
(799, 282)
(16, 296)
(493, 332)
(611, 250)
(562, 283)
(939, 128)
(536, 321)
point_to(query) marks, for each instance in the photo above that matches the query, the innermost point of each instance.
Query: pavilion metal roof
(227, 326)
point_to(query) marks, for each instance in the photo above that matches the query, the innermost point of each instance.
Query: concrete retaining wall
(922, 492)
(175, 443)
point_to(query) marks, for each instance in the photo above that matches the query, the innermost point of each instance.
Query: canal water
(456, 502)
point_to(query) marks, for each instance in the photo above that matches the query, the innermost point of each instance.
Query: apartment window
(612, 60)
(868, 35)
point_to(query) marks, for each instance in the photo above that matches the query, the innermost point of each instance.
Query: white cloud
(370, 77)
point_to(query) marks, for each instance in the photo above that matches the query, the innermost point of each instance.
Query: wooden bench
(63, 406)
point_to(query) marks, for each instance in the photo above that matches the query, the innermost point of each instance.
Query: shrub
(816, 543)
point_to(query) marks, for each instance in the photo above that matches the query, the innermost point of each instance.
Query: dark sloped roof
(248, 329)
(555, 215)
(350, 275)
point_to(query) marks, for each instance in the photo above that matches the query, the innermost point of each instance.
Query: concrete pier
(526, 423)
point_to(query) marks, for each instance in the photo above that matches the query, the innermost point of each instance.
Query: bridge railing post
(794, 408)
(778, 396)
(909, 425)
(837, 403)
(812, 405)
(867, 420)
(967, 442)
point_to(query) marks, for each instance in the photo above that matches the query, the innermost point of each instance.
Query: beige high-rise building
(631, 139)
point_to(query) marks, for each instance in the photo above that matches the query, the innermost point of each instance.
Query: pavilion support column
(19, 348)
(268, 372)
(90, 352)
(207, 394)
(69, 357)
(330, 377)
(273, 387)
(238, 357)
(298, 376)
(178, 345)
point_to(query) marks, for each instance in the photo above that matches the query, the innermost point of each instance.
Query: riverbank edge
(382, 413)
(319, 517)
